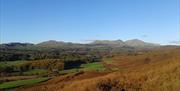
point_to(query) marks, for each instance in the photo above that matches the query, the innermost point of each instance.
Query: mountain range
(120, 43)
(112, 43)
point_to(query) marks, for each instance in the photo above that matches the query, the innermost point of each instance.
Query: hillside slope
(159, 72)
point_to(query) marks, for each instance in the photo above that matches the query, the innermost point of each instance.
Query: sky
(83, 21)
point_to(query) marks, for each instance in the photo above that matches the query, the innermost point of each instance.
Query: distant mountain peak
(110, 43)
(113, 43)
(119, 40)
(120, 43)
(51, 43)
(135, 41)
(139, 43)
(107, 41)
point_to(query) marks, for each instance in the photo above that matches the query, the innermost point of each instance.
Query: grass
(108, 60)
(68, 71)
(13, 84)
(96, 66)
(111, 64)
(6, 64)
(35, 72)
(9, 63)
(15, 63)
(115, 69)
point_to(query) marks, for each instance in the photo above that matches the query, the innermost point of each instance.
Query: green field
(8, 63)
(96, 66)
(13, 84)
(14, 65)
(35, 72)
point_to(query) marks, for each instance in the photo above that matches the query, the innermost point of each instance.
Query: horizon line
(90, 41)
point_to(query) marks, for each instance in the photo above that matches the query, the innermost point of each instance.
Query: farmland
(13, 84)
(9, 83)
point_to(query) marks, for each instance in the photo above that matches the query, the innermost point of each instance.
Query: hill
(55, 49)
(120, 43)
(139, 43)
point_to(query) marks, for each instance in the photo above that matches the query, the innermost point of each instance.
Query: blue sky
(82, 21)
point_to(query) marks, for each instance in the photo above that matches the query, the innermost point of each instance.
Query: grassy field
(13, 84)
(11, 63)
(96, 66)
(35, 72)
(6, 63)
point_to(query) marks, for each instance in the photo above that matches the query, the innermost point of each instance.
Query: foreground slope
(159, 72)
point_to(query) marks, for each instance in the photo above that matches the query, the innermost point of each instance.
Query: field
(30, 79)
(35, 72)
(95, 66)
(10, 63)
(13, 84)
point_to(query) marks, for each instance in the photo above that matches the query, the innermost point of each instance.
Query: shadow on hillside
(73, 64)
